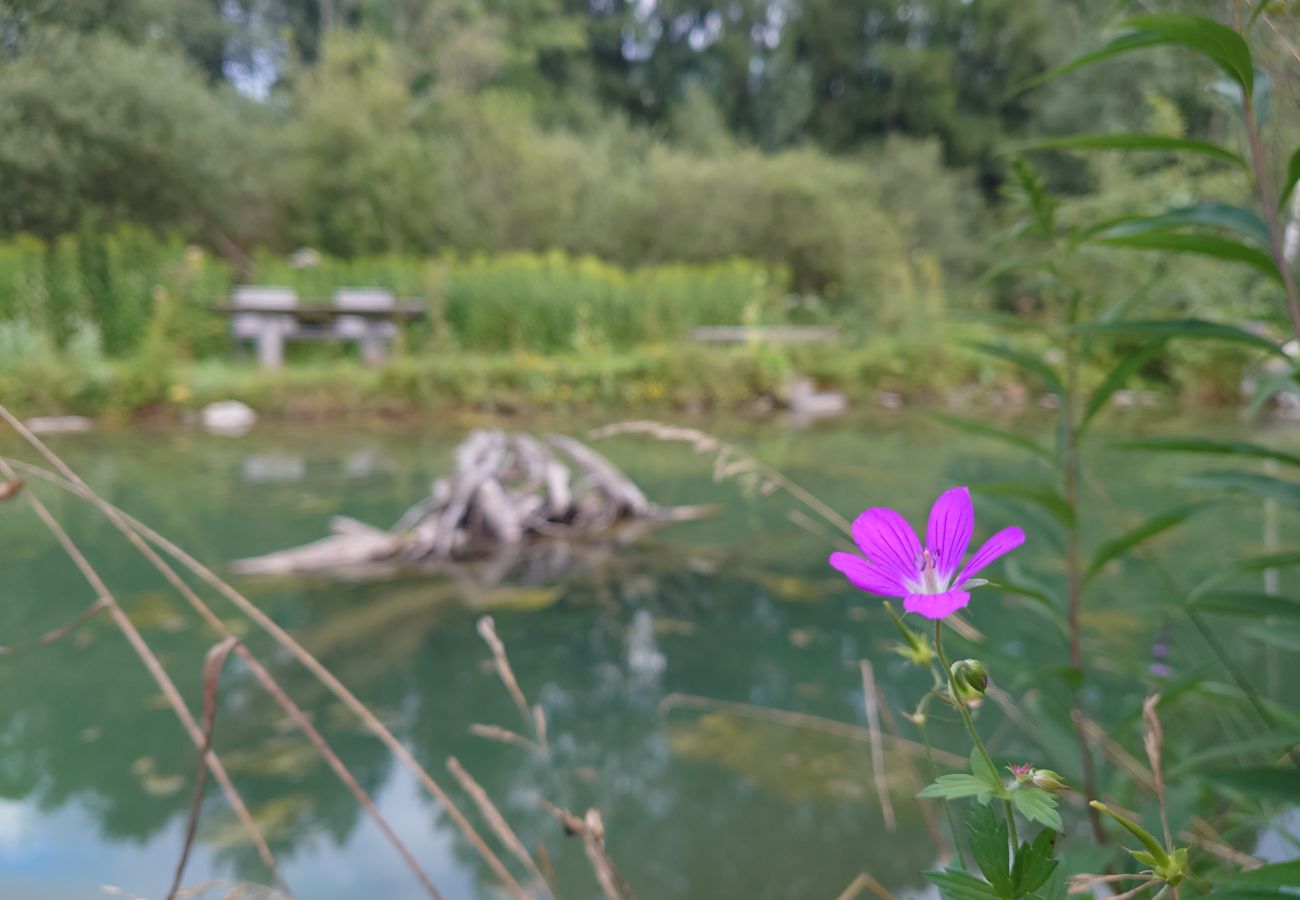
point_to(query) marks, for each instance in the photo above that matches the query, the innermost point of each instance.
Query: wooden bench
(269, 316)
(772, 334)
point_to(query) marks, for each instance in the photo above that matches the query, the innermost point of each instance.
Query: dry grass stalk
(914, 776)
(10, 488)
(870, 699)
(1153, 740)
(504, 735)
(135, 531)
(1086, 884)
(1217, 848)
(149, 659)
(376, 727)
(803, 720)
(213, 664)
(729, 461)
(1116, 753)
(495, 819)
(534, 716)
(591, 828)
(862, 883)
(63, 630)
(269, 683)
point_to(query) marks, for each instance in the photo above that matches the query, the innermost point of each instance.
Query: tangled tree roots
(507, 489)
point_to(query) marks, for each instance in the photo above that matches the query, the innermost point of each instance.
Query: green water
(96, 775)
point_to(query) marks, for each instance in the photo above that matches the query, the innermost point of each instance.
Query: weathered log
(506, 489)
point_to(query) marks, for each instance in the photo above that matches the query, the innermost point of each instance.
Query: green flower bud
(971, 678)
(1047, 780)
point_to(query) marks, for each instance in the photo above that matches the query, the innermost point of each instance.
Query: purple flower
(931, 581)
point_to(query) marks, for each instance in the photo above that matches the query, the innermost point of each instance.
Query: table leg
(270, 345)
(373, 350)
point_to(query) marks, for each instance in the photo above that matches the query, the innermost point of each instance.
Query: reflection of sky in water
(698, 806)
(60, 855)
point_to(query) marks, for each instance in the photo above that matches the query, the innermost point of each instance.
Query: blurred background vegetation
(571, 186)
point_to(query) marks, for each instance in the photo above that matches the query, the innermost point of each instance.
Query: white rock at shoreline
(59, 424)
(230, 418)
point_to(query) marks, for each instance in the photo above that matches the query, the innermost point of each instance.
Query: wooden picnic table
(271, 324)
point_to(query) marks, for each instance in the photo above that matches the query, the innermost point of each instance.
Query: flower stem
(952, 688)
(1011, 828)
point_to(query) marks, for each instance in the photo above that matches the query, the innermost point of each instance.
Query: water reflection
(96, 773)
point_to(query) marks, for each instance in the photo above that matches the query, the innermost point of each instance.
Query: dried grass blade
(876, 744)
(63, 630)
(213, 664)
(282, 637)
(494, 818)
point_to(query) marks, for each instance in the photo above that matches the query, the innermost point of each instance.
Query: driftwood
(507, 490)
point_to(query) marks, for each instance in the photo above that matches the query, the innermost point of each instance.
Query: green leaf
(1269, 561)
(1248, 604)
(1213, 246)
(1157, 142)
(1220, 43)
(1263, 486)
(1031, 364)
(1276, 743)
(1292, 177)
(981, 769)
(1116, 379)
(1226, 216)
(987, 836)
(1180, 444)
(1037, 806)
(1041, 495)
(1269, 782)
(956, 786)
(1277, 875)
(992, 432)
(954, 884)
(1134, 40)
(1156, 525)
(1193, 329)
(1034, 863)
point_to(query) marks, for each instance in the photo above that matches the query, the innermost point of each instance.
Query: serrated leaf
(1292, 177)
(982, 429)
(1210, 245)
(955, 786)
(987, 836)
(1194, 329)
(1269, 782)
(981, 769)
(954, 884)
(1116, 379)
(1193, 444)
(1130, 540)
(1247, 604)
(1040, 495)
(1034, 863)
(1276, 875)
(1264, 486)
(1156, 142)
(1037, 806)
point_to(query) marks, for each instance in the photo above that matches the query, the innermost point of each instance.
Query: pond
(698, 801)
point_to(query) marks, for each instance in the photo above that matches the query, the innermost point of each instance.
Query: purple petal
(936, 606)
(867, 577)
(889, 542)
(1000, 544)
(952, 519)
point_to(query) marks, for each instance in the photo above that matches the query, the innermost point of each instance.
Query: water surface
(95, 773)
